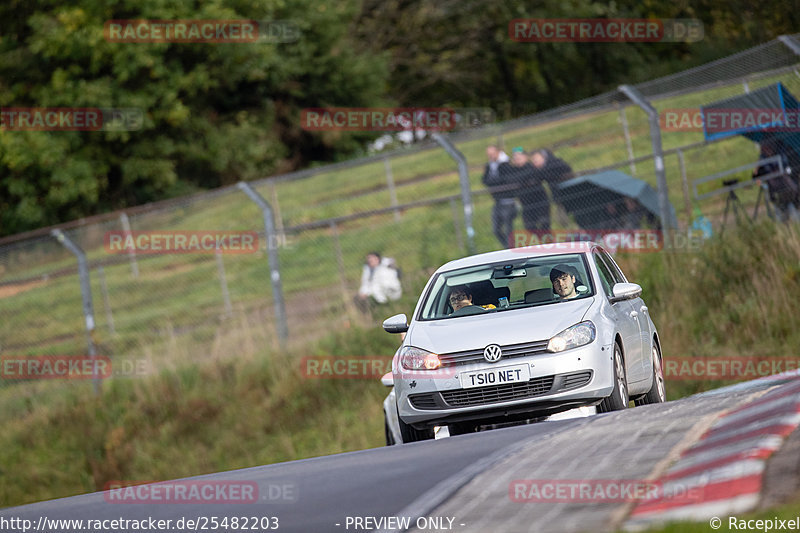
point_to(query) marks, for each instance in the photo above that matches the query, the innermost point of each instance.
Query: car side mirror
(396, 324)
(625, 291)
(388, 379)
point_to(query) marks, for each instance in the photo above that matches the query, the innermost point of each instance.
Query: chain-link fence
(164, 309)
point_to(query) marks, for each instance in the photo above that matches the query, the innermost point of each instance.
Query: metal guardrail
(740, 184)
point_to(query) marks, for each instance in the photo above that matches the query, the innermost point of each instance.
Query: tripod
(763, 191)
(733, 202)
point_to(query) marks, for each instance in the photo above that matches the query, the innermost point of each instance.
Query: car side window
(616, 273)
(606, 279)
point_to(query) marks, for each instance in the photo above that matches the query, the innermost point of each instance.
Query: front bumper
(577, 377)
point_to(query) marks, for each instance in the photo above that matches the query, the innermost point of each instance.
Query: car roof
(515, 254)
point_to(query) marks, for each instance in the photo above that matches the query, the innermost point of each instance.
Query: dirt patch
(11, 290)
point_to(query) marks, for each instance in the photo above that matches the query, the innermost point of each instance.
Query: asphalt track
(447, 483)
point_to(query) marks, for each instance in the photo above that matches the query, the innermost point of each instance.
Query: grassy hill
(738, 296)
(219, 392)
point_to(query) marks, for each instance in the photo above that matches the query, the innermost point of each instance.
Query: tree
(213, 113)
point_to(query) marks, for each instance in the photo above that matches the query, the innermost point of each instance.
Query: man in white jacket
(380, 282)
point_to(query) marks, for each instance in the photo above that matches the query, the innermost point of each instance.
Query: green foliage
(218, 113)
(459, 52)
(214, 114)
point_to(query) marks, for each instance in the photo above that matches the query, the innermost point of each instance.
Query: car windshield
(498, 287)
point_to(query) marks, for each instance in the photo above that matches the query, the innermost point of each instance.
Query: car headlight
(572, 337)
(418, 359)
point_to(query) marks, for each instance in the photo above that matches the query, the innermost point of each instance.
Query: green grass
(217, 415)
(226, 399)
(221, 393)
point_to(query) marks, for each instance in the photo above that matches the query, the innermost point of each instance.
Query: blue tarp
(769, 113)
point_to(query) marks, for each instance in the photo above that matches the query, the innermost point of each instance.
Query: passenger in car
(563, 279)
(461, 301)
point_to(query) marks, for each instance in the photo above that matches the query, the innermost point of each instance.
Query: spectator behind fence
(531, 193)
(554, 171)
(784, 192)
(380, 282)
(504, 193)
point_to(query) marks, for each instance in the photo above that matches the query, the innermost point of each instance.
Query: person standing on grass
(531, 193)
(380, 282)
(784, 191)
(504, 193)
(554, 171)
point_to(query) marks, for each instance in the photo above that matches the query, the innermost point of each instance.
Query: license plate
(495, 376)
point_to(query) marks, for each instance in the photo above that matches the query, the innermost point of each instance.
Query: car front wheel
(389, 438)
(619, 396)
(412, 434)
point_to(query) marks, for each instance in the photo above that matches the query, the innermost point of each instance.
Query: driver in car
(563, 280)
(461, 302)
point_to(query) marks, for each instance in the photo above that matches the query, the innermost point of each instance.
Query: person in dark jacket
(531, 193)
(503, 192)
(554, 172)
(784, 191)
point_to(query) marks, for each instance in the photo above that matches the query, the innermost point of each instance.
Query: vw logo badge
(492, 353)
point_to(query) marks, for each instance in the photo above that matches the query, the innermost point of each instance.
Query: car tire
(619, 396)
(412, 434)
(389, 437)
(658, 392)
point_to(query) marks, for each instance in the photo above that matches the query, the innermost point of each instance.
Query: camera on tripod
(728, 183)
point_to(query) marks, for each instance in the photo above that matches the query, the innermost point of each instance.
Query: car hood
(504, 327)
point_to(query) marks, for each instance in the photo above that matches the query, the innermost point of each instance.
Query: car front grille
(498, 393)
(509, 350)
(507, 392)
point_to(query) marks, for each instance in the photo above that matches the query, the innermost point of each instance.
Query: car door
(639, 309)
(626, 322)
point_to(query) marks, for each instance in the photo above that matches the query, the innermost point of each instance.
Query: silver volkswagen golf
(519, 334)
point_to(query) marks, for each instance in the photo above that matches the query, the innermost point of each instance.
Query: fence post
(390, 183)
(126, 227)
(790, 43)
(86, 295)
(337, 246)
(277, 206)
(628, 142)
(106, 304)
(658, 153)
(459, 238)
(466, 193)
(223, 283)
(272, 256)
(685, 182)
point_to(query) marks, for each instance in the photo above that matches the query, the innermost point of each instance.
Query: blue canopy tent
(598, 201)
(771, 113)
